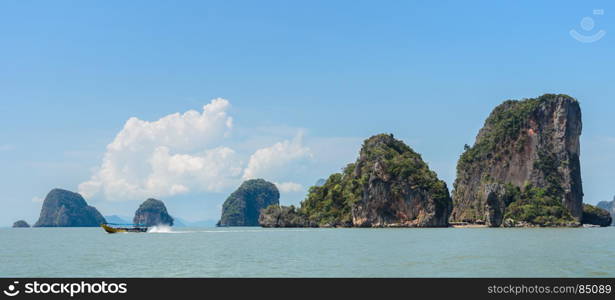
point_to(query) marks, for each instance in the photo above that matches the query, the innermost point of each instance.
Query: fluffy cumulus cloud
(267, 161)
(183, 153)
(271, 162)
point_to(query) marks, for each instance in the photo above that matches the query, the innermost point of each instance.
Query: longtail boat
(117, 228)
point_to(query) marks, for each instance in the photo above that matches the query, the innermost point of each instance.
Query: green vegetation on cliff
(537, 206)
(331, 203)
(542, 206)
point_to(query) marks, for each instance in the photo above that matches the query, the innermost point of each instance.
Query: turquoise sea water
(260, 252)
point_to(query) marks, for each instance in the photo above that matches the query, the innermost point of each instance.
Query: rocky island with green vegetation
(608, 206)
(594, 215)
(62, 208)
(283, 216)
(389, 185)
(243, 207)
(152, 212)
(523, 169)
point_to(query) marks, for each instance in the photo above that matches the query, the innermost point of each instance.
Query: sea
(313, 252)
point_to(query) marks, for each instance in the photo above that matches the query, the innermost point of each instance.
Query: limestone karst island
(522, 171)
(226, 141)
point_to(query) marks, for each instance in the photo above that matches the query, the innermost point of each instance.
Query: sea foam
(160, 229)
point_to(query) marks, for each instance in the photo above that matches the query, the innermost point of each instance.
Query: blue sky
(308, 79)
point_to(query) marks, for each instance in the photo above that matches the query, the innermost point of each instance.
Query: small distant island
(609, 206)
(152, 212)
(593, 215)
(62, 208)
(21, 224)
(243, 206)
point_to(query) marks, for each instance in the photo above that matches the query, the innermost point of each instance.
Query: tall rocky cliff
(152, 212)
(243, 206)
(524, 166)
(63, 208)
(389, 185)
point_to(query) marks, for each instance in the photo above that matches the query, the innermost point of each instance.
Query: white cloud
(289, 187)
(188, 131)
(185, 153)
(212, 170)
(37, 199)
(170, 156)
(267, 162)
